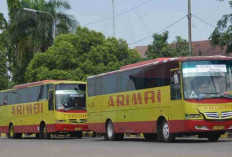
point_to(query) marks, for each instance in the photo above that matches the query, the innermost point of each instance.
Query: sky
(139, 19)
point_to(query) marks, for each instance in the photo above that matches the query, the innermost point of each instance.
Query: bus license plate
(78, 128)
(218, 127)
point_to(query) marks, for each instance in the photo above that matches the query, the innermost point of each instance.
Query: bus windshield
(70, 97)
(207, 79)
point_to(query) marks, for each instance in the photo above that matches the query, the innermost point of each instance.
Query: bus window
(175, 85)
(70, 96)
(5, 98)
(51, 102)
(1, 99)
(43, 94)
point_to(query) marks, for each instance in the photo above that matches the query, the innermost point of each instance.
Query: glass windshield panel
(207, 79)
(70, 96)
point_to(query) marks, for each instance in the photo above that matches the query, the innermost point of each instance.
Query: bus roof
(44, 82)
(143, 63)
(164, 60)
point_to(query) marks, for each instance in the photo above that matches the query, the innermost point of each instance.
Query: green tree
(161, 48)
(77, 56)
(222, 35)
(4, 78)
(32, 32)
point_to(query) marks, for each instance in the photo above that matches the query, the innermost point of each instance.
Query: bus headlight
(60, 121)
(192, 116)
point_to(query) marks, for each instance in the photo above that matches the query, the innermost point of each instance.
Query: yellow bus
(44, 108)
(163, 99)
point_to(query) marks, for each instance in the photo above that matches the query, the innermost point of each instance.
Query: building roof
(200, 48)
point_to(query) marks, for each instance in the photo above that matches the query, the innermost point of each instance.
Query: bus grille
(212, 114)
(226, 114)
(77, 120)
(219, 116)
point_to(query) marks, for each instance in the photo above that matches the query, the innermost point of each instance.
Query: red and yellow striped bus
(163, 99)
(44, 108)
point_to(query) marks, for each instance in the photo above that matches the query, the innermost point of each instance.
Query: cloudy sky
(138, 19)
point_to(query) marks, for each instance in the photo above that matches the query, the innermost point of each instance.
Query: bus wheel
(149, 136)
(164, 134)
(213, 137)
(110, 133)
(43, 134)
(11, 133)
(37, 136)
(76, 134)
(19, 135)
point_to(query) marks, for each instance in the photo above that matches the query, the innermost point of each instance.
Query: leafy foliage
(161, 48)
(222, 35)
(77, 56)
(3, 61)
(29, 33)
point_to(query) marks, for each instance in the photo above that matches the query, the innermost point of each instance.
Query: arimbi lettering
(134, 99)
(27, 109)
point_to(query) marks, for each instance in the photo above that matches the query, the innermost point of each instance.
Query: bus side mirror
(51, 100)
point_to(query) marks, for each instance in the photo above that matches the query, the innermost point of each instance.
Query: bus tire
(163, 133)
(150, 136)
(11, 134)
(213, 137)
(19, 135)
(110, 133)
(37, 136)
(43, 134)
(76, 134)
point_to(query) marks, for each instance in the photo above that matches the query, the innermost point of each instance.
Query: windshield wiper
(79, 107)
(226, 96)
(202, 95)
(75, 107)
(69, 108)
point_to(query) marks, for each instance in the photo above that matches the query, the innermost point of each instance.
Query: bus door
(51, 99)
(175, 85)
(176, 107)
(1, 106)
(3, 109)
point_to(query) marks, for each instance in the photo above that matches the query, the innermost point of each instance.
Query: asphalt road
(98, 147)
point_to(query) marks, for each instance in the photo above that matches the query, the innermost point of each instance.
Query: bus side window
(175, 85)
(1, 99)
(51, 100)
(43, 94)
(5, 99)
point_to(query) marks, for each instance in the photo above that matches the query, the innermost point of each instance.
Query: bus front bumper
(200, 126)
(67, 127)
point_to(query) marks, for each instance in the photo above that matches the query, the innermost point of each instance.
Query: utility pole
(190, 27)
(114, 32)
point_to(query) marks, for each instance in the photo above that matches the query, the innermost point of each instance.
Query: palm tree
(3, 50)
(3, 22)
(31, 32)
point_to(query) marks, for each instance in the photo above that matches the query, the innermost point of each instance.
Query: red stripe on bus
(210, 101)
(50, 128)
(4, 129)
(175, 126)
(133, 127)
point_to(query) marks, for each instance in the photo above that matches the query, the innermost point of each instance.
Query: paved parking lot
(98, 147)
